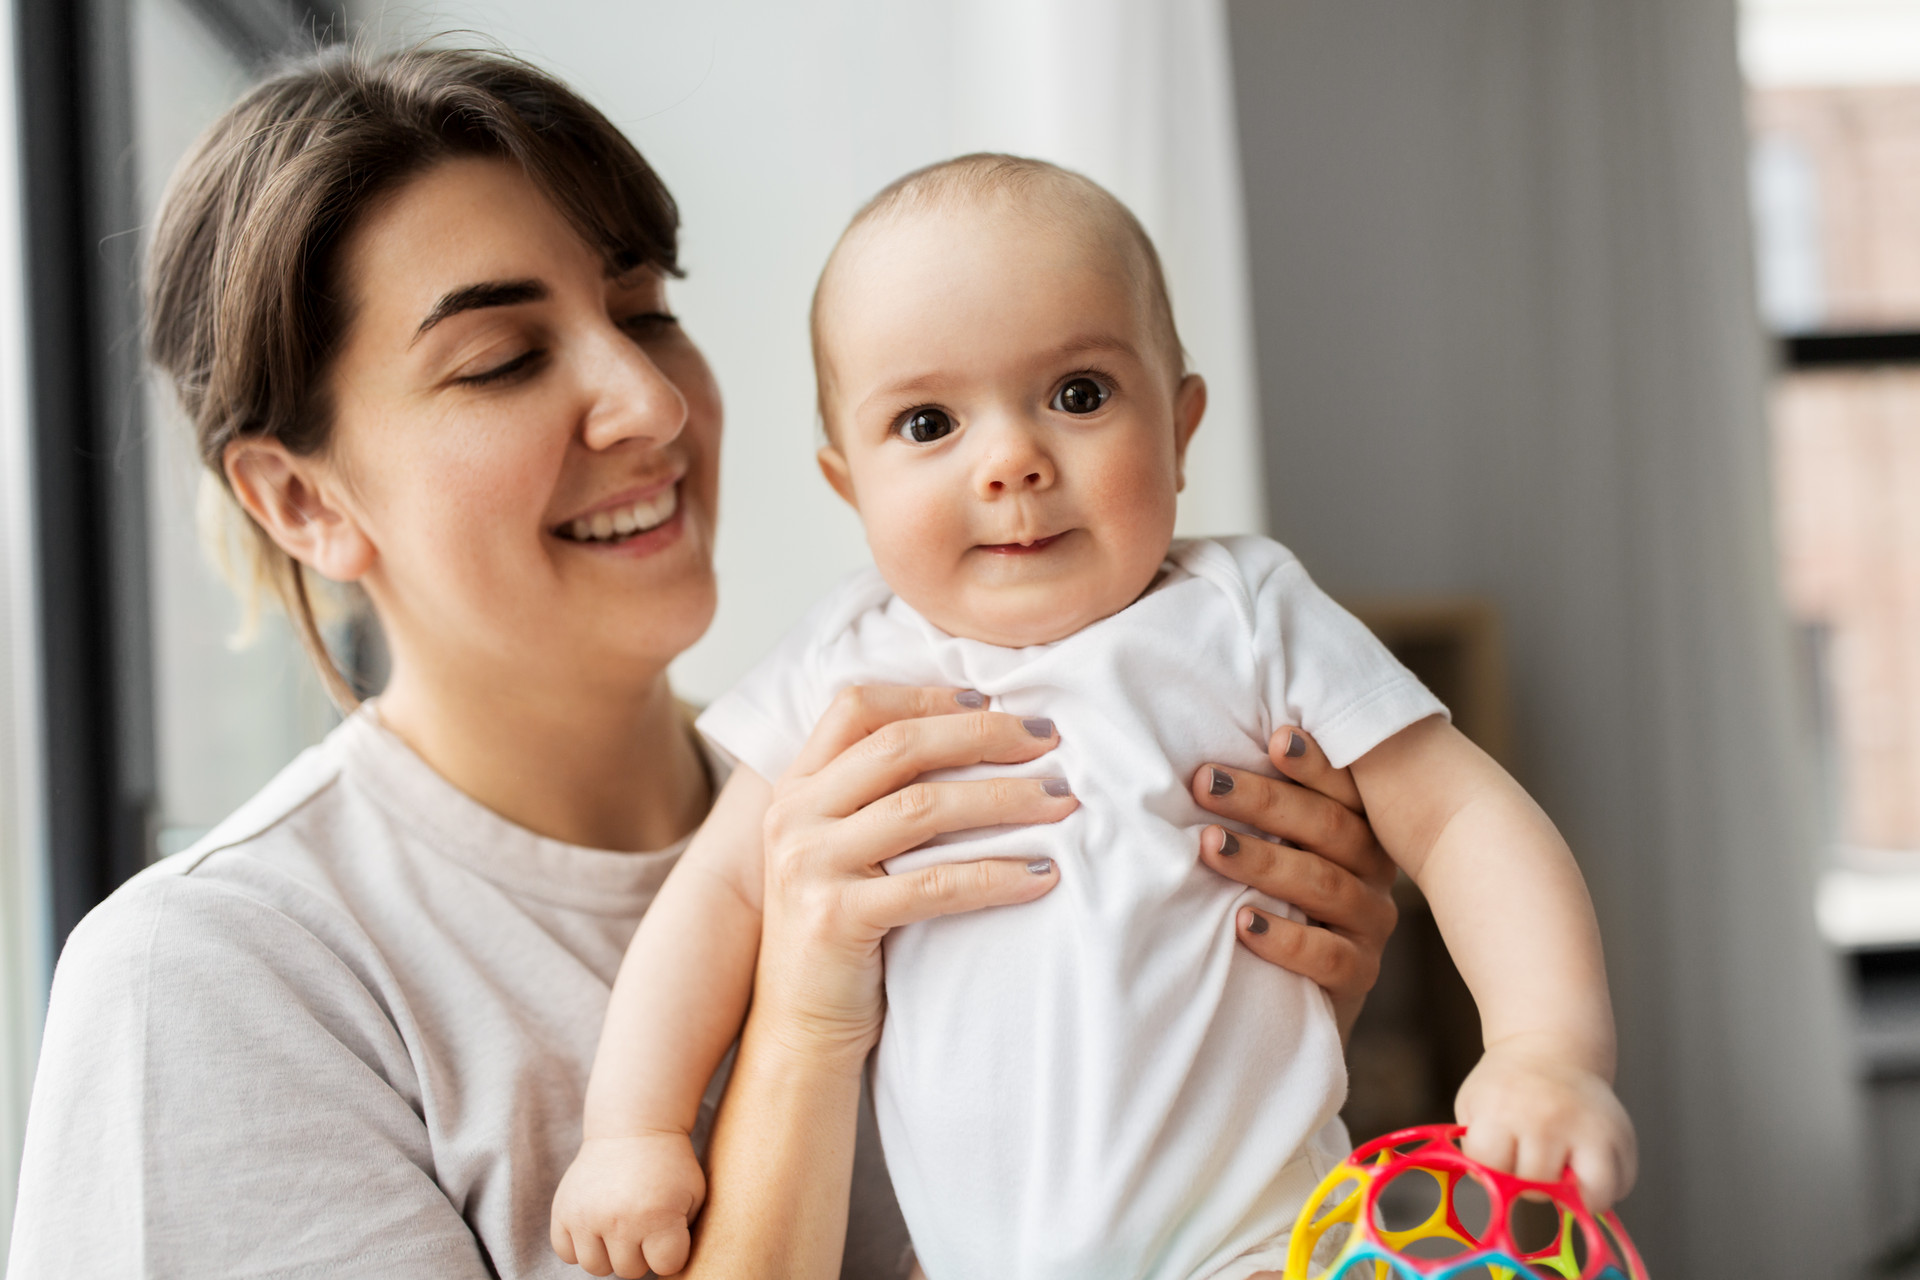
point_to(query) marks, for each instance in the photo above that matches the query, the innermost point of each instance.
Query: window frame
(87, 440)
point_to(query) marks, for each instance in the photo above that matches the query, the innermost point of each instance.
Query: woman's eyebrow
(472, 297)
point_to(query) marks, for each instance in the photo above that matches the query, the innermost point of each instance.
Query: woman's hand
(1324, 859)
(781, 1156)
(850, 802)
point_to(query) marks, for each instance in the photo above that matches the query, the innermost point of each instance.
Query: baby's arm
(628, 1199)
(1517, 920)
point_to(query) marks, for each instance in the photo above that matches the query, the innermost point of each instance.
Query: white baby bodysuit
(1103, 1083)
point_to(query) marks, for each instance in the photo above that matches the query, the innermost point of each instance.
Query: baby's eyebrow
(1097, 342)
(919, 384)
(933, 381)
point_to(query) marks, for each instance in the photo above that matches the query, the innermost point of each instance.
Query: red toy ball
(1376, 1217)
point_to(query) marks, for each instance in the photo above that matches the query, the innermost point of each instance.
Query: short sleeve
(217, 1094)
(1321, 668)
(763, 721)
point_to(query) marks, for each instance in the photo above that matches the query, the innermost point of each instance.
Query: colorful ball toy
(1345, 1218)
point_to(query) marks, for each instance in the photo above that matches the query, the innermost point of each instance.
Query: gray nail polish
(1057, 787)
(1038, 726)
(1258, 924)
(1296, 746)
(1221, 784)
(1230, 845)
(972, 699)
(1040, 866)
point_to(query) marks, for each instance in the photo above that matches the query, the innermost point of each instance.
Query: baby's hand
(1531, 1112)
(626, 1204)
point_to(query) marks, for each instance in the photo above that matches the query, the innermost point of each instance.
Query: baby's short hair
(1037, 186)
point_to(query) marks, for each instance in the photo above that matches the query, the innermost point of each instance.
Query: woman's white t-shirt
(348, 1033)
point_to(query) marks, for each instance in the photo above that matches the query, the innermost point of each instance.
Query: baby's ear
(1189, 406)
(833, 465)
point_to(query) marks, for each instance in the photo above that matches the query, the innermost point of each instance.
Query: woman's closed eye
(649, 324)
(490, 369)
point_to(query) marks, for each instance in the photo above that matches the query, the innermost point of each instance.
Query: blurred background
(1576, 345)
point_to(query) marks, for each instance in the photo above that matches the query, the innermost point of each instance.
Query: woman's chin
(658, 629)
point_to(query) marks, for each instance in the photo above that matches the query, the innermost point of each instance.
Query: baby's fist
(1531, 1113)
(626, 1205)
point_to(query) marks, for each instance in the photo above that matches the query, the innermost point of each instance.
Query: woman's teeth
(609, 526)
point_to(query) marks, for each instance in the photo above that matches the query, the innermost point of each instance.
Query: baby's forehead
(1097, 228)
(1051, 229)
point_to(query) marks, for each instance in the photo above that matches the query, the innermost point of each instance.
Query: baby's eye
(1080, 395)
(924, 426)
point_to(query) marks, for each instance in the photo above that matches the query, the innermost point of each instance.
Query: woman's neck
(609, 769)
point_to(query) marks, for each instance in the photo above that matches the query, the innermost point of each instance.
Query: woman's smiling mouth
(617, 524)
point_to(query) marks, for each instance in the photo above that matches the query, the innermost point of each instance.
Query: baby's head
(1005, 399)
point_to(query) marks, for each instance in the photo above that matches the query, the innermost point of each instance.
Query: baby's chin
(1019, 617)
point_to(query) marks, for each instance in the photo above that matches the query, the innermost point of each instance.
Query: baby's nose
(1016, 464)
(1031, 480)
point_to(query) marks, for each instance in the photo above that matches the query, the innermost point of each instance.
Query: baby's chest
(1139, 707)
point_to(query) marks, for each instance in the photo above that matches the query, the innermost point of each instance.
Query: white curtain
(1138, 95)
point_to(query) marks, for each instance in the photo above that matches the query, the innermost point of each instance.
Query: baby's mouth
(621, 523)
(1021, 548)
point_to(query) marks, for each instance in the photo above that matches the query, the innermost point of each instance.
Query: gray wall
(1508, 346)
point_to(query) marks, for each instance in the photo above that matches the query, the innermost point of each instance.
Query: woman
(416, 310)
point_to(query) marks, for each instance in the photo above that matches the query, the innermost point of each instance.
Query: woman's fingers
(1321, 956)
(857, 712)
(1296, 814)
(1297, 756)
(886, 902)
(1321, 889)
(918, 812)
(898, 752)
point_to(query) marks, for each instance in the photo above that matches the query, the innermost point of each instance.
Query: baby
(1102, 1083)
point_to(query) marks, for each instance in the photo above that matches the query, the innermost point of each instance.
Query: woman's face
(528, 446)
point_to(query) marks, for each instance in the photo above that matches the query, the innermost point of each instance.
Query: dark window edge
(1850, 349)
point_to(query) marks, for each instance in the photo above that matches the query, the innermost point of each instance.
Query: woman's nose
(1015, 462)
(631, 397)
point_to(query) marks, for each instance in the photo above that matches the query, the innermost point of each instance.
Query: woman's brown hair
(243, 309)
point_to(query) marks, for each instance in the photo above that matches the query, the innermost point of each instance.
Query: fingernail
(972, 699)
(1038, 726)
(1296, 746)
(1258, 924)
(1229, 845)
(1057, 787)
(1221, 784)
(1040, 866)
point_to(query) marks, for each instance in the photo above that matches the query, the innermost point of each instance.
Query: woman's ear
(833, 465)
(296, 502)
(1189, 406)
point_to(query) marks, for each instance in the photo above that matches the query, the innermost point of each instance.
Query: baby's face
(1005, 419)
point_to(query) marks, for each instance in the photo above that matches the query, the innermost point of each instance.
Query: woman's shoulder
(266, 824)
(250, 891)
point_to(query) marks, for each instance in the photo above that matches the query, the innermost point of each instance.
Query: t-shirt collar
(456, 826)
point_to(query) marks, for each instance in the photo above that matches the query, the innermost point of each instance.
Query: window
(1835, 110)
(1835, 113)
